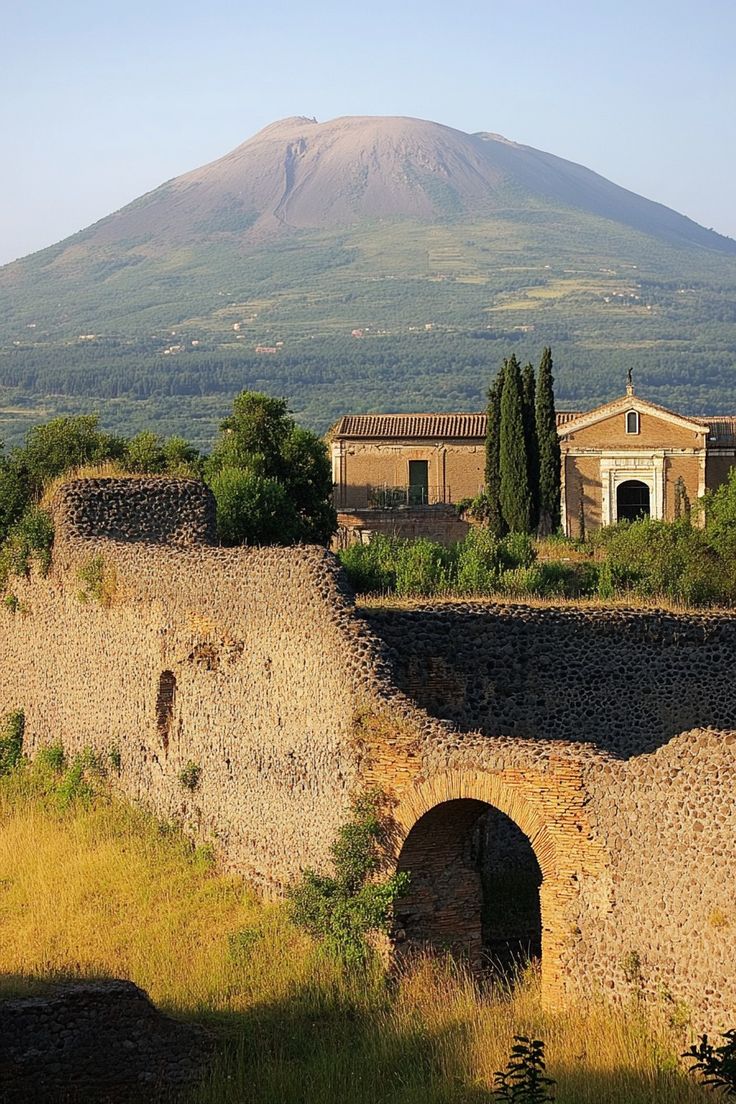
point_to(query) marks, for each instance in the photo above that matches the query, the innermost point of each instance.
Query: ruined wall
(602, 735)
(437, 523)
(648, 702)
(626, 681)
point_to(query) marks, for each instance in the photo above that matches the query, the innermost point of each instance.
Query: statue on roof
(630, 382)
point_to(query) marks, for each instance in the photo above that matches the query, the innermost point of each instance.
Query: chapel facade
(407, 473)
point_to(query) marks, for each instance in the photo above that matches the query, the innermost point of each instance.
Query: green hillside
(161, 327)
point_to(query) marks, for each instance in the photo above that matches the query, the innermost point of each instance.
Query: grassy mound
(90, 886)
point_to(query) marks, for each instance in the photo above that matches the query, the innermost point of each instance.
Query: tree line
(522, 469)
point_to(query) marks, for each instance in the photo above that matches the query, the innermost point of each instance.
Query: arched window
(632, 421)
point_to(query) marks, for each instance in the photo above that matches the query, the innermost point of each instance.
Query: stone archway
(547, 807)
(474, 888)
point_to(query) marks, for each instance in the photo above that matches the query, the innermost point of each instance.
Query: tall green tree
(549, 448)
(492, 496)
(528, 396)
(515, 494)
(272, 479)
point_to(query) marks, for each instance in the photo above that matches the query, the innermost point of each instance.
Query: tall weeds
(90, 886)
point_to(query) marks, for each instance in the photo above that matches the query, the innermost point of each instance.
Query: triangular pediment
(624, 404)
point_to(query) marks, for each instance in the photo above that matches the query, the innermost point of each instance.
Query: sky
(100, 103)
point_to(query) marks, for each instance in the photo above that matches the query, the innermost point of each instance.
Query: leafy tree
(515, 494)
(148, 452)
(14, 496)
(548, 443)
(62, 444)
(283, 493)
(490, 508)
(528, 394)
(252, 509)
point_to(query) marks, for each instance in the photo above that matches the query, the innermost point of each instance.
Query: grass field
(92, 887)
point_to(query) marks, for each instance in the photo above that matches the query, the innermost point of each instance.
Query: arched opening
(165, 705)
(475, 884)
(632, 500)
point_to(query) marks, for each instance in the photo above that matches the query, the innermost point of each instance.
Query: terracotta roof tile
(419, 426)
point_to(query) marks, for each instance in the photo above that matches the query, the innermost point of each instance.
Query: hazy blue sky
(101, 102)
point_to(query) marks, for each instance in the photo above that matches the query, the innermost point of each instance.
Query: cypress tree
(548, 444)
(494, 517)
(515, 496)
(528, 396)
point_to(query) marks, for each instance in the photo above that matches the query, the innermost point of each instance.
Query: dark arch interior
(632, 500)
(474, 887)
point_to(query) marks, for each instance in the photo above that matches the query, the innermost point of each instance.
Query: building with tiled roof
(406, 473)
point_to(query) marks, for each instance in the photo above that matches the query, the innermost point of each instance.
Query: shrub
(715, 1065)
(190, 776)
(524, 1081)
(370, 567)
(99, 581)
(478, 562)
(11, 603)
(29, 541)
(343, 909)
(672, 559)
(77, 781)
(11, 740)
(423, 568)
(51, 758)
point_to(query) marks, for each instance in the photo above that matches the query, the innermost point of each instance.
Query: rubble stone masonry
(601, 741)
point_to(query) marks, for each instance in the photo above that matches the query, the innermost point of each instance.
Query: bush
(672, 559)
(11, 740)
(478, 562)
(29, 541)
(423, 568)
(99, 581)
(343, 909)
(371, 568)
(190, 776)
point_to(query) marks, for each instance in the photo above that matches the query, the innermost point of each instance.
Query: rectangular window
(632, 421)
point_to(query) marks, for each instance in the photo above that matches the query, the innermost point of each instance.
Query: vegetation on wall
(344, 909)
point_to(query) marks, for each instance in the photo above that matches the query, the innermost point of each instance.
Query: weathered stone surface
(98, 1042)
(605, 736)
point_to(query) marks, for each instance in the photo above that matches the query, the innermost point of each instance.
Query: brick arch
(548, 808)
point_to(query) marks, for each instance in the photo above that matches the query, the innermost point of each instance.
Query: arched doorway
(632, 500)
(475, 887)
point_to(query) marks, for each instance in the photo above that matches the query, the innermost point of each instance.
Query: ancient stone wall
(93, 1042)
(626, 681)
(248, 700)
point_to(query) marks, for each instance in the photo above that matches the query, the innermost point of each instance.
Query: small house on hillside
(406, 473)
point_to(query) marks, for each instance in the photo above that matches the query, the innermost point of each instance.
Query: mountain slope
(441, 249)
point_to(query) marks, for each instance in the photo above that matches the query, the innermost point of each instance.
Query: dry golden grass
(627, 602)
(98, 888)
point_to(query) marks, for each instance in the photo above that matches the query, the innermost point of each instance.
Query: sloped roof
(721, 429)
(419, 426)
(631, 402)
